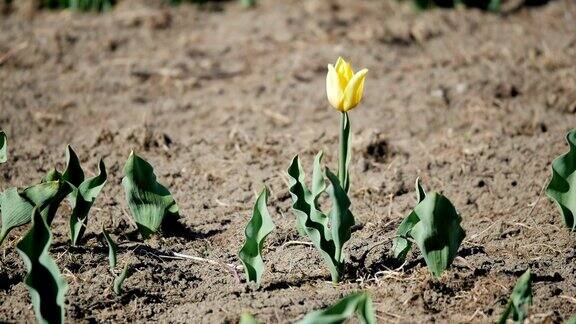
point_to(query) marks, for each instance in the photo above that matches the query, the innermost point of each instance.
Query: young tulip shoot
(149, 201)
(83, 195)
(258, 228)
(520, 300)
(359, 303)
(46, 285)
(434, 224)
(112, 250)
(562, 186)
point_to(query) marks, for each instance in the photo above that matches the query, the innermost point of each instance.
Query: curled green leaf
(3, 148)
(562, 186)
(257, 229)
(328, 234)
(438, 233)
(112, 249)
(402, 244)
(46, 285)
(83, 195)
(359, 303)
(119, 280)
(520, 300)
(17, 206)
(148, 200)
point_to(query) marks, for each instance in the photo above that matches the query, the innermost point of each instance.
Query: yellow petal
(334, 90)
(344, 70)
(354, 90)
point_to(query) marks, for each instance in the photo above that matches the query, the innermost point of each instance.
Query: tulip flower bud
(344, 88)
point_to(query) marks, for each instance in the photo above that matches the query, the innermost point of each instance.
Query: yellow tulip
(344, 88)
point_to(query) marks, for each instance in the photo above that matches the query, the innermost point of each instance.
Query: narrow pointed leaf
(148, 200)
(119, 280)
(3, 148)
(46, 286)
(258, 228)
(112, 249)
(520, 300)
(402, 244)
(17, 207)
(81, 199)
(438, 233)
(341, 218)
(359, 303)
(73, 172)
(562, 186)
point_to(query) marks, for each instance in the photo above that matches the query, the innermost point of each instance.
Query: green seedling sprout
(434, 225)
(149, 201)
(46, 285)
(330, 233)
(83, 195)
(257, 229)
(359, 303)
(112, 262)
(520, 300)
(562, 186)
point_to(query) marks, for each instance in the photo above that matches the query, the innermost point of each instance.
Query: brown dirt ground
(219, 99)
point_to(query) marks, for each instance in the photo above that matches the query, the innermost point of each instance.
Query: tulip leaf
(119, 280)
(46, 285)
(562, 186)
(148, 200)
(520, 300)
(17, 207)
(112, 249)
(328, 234)
(247, 318)
(359, 303)
(3, 148)
(402, 244)
(83, 195)
(258, 228)
(64, 190)
(438, 233)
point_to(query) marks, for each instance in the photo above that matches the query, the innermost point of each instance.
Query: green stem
(343, 154)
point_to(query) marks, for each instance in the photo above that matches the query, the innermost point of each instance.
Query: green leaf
(64, 190)
(359, 303)
(315, 223)
(562, 186)
(258, 228)
(112, 249)
(247, 318)
(402, 244)
(328, 234)
(572, 320)
(438, 233)
(119, 280)
(17, 207)
(341, 219)
(83, 195)
(520, 300)
(3, 148)
(46, 286)
(148, 200)
(248, 3)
